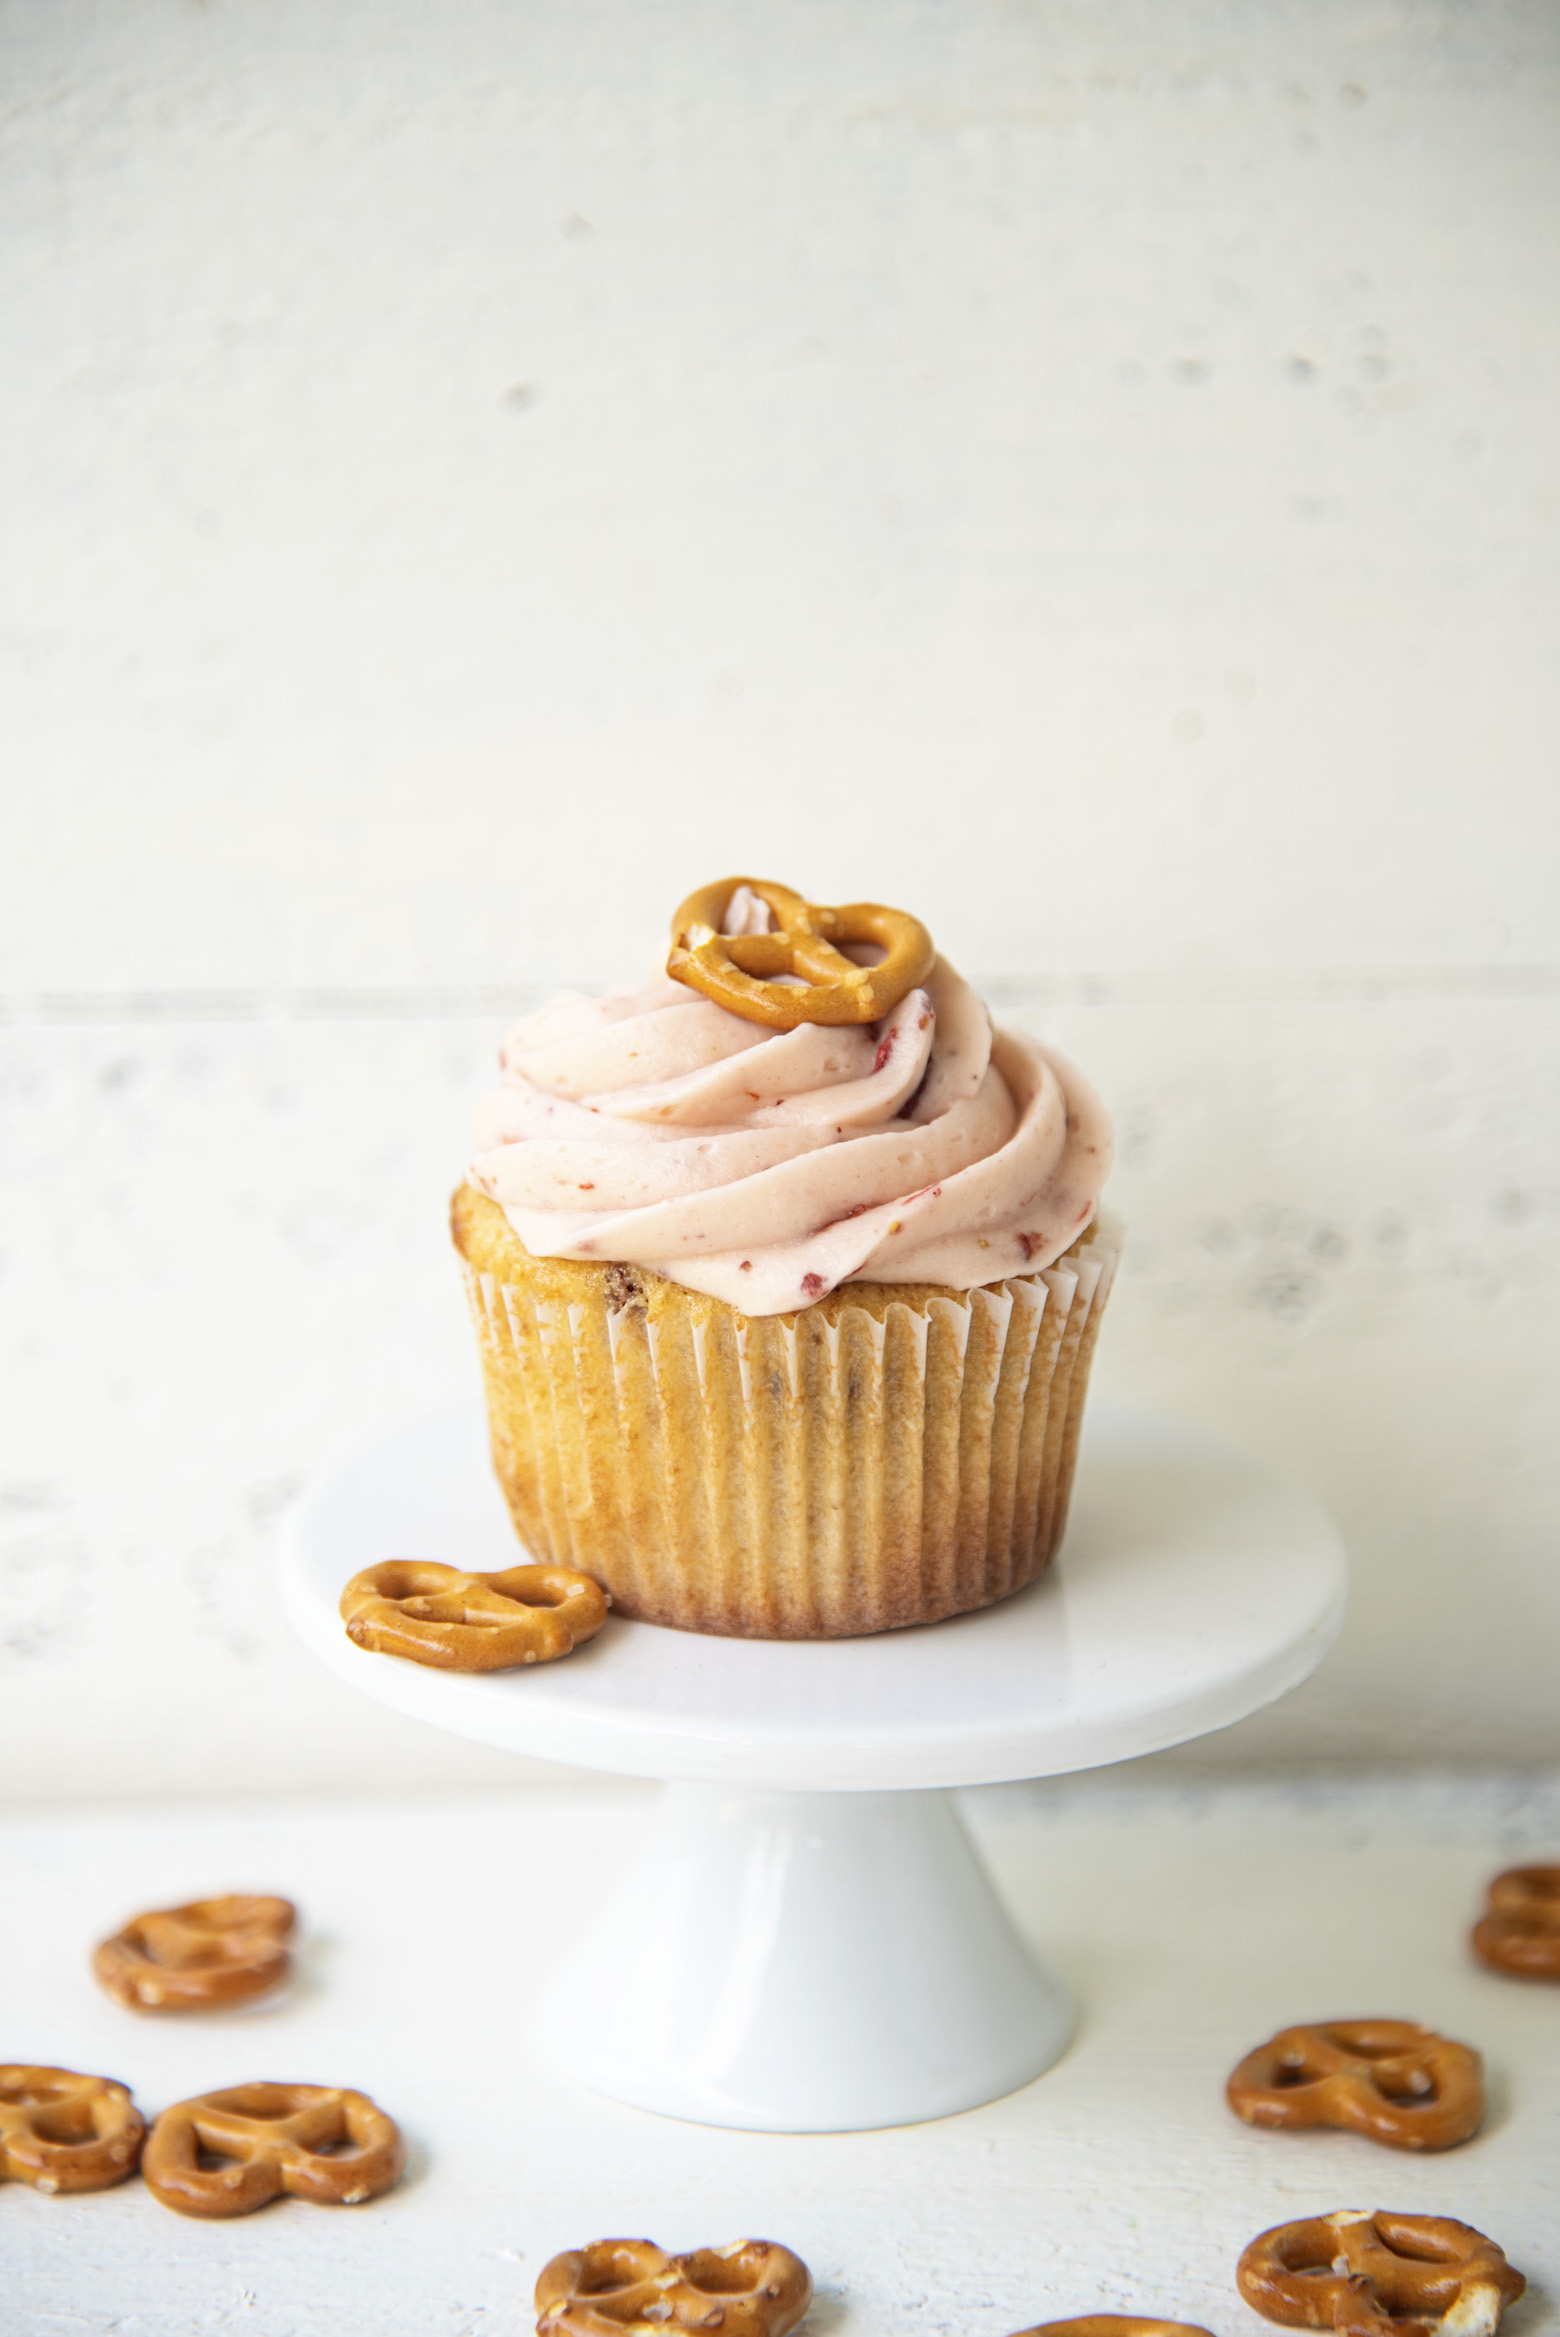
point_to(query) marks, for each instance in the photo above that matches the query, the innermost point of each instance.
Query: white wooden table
(1196, 1918)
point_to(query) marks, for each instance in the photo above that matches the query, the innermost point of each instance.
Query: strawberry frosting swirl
(654, 1127)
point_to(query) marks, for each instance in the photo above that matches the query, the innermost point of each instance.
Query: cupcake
(786, 1272)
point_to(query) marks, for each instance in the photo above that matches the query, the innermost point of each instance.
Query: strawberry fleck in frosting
(654, 1127)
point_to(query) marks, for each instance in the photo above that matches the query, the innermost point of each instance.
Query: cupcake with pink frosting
(786, 1269)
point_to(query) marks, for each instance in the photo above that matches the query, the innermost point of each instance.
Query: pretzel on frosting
(752, 2288)
(1521, 1932)
(472, 1622)
(1389, 2080)
(738, 970)
(1381, 2275)
(1115, 2325)
(318, 2142)
(182, 1959)
(61, 2131)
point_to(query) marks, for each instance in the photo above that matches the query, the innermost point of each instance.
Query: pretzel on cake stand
(458, 1622)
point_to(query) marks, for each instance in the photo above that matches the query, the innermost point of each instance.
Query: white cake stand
(808, 1942)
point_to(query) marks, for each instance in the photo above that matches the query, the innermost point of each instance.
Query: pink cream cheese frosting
(654, 1127)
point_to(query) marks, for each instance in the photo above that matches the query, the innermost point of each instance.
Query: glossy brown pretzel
(738, 970)
(750, 2289)
(472, 1622)
(318, 2142)
(1115, 2325)
(61, 2131)
(1521, 1932)
(185, 1959)
(1381, 2275)
(1391, 2081)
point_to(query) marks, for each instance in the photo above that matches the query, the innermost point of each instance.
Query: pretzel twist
(1381, 2275)
(1391, 2081)
(1521, 1932)
(275, 2138)
(184, 1959)
(61, 2131)
(738, 970)
(753, 2288)
(1115, 2325)
(472, 1622)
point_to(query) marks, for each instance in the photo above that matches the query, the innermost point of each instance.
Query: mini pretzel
(472, 1622)
(752, 2288)
(1381, 2275)
(738, 970)
(184, 1959)
(63, 2132)
(1388, 2080)
(275, 2138)
(1521, 1932)
(1115, 2325)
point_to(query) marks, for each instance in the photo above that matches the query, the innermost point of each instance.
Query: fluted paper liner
(876, 1460)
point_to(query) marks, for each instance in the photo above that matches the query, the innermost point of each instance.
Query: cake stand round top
(1193, 1587)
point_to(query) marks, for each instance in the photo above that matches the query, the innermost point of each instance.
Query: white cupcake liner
(809, 1476)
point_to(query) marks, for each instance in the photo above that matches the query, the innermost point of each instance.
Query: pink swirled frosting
(764, 1167)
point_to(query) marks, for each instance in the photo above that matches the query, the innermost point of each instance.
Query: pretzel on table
(62, 2131)
(187, 1959)
(1390, 2080)
(751, 2288)
(1115, 2325)
(1521, 1931)
(1379, 2275)
(322, 2143)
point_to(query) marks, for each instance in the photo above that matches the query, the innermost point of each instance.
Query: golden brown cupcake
(786, 1322)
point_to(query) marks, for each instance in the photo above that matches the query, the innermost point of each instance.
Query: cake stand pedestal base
(805, 1963)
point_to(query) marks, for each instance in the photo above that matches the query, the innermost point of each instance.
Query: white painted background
(471, 471)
